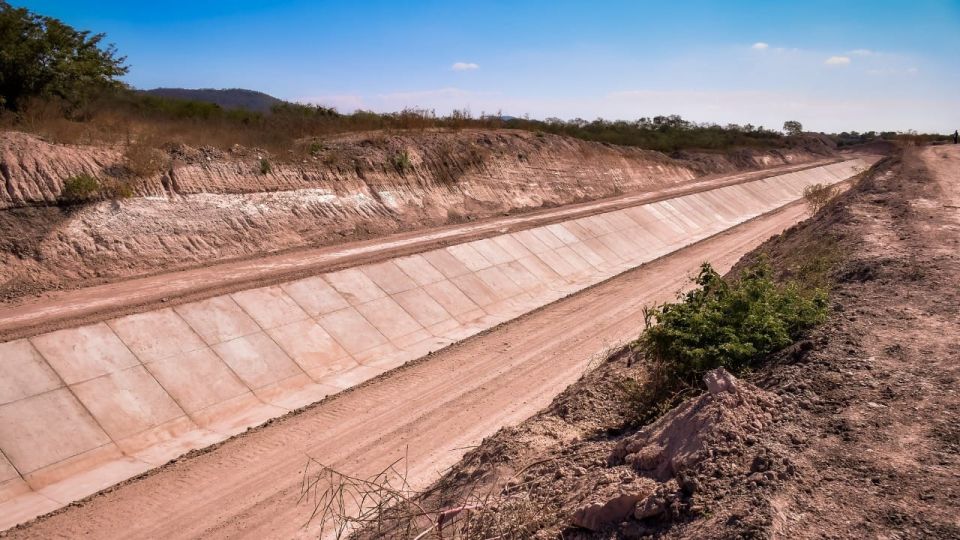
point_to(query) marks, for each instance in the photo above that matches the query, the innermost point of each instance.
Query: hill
(228, 98)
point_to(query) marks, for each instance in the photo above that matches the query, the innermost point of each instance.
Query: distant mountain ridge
(228, 98)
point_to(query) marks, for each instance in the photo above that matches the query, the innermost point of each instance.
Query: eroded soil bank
(850, 433)
(205, 205)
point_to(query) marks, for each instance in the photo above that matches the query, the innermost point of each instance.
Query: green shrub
(80, 188)
(401, 162)
(265, 166)
(722, 324)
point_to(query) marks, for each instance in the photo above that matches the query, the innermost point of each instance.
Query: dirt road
(90, 304)
(432, 410)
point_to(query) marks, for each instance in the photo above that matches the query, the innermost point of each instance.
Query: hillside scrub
(729, 324)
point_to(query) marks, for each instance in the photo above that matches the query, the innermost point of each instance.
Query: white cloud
(837, 61)
(760, 46)
(464, 66)
(862, 52)
(912, 70)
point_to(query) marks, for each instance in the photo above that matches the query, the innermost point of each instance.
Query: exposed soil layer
(204, 205)
(850, 433)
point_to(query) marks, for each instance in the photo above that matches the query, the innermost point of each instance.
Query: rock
(652, 506)
(596, 517)
(720, 380)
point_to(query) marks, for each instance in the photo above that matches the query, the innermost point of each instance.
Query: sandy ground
(31, 316)
(432, 411)
(849, 433)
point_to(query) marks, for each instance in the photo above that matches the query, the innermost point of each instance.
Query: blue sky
(882, 64)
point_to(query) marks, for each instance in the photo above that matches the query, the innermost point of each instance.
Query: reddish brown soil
(850, 433)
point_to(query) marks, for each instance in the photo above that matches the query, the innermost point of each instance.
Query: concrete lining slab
(530, 241)
(542, 271)
(354, 286)
(518, 273)
(561, 231)
(469, 257)
(548, 238)
(127, 402)
(257, 360)
(389, 318)
(269, 306)
(511, 245)
(89, 482)
(389, 277)
(217, 319)
(491, 251)
(148, 334)
(315, 296)
(24, 508)
(587, 254)
(580, 266)
(475, 289)
(499, 283)
(23, 373)
(196, 380)
(169, 440)
(78, 354)
(447, 264)
(379, 355)
(295, 392)
(352, 330)
(419, 270)
(312, 348)
(45, 429)
(9, 474)
(422, 307)
(557, 263)
(578, 230)
(451, 298)
(609, 256)
(236, 414)
(350, 377)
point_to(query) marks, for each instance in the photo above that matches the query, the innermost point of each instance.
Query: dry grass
(819, 195)
(142, 159)
(384, 505)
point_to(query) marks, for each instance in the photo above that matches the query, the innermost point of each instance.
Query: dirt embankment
(850, 433)
(207, 205)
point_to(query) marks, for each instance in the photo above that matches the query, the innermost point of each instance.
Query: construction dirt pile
(187, 207)
(849, 433)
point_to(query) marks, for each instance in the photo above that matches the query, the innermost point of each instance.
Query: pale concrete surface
(85, 407)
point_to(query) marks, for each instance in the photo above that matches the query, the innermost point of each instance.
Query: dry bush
(143, 160)
(384, 505)
(818, 195)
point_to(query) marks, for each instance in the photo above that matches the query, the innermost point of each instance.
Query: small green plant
(818, 195)
(265, 166)
(733, 325)
(80, 188)
(315, 148)
(401, 162)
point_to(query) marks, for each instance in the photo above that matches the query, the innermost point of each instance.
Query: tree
(792, 127)
(43, 57)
